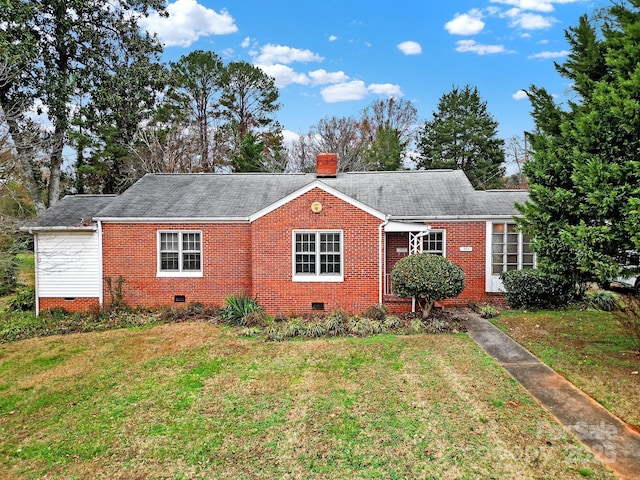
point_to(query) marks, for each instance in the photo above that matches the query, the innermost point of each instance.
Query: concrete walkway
(610, 439)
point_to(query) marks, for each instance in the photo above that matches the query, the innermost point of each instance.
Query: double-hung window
(180, 253)
(510, 249)
(433, 242)
(317, 256)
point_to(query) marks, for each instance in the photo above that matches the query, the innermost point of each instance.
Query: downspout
(413, 299)
(100, 265)
(381, 257)
(36, 263)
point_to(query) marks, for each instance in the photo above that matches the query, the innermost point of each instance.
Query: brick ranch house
(299, 242)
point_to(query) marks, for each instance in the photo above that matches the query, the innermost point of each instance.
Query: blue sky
(336, 56)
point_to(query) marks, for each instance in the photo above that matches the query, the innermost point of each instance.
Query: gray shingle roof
(72, 211)
(204, 195)
(425, 194)
(401, 195)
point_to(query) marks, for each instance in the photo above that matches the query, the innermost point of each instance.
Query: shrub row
(531, 289)
(240, 311)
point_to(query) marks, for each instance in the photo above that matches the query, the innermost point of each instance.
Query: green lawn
(194, 400)
(589, 348)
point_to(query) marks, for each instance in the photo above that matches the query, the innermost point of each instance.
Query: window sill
(179, 274)
(318, 278)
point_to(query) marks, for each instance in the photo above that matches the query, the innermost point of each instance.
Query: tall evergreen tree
(196, 78)
(248, 102)
(463, 135)
(584, 208)
(62, 49)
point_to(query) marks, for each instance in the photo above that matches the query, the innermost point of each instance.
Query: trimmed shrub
(428, 277)
(531, 289)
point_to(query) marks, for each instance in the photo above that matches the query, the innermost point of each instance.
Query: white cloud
(332, 38)
(343, 92)
(520, 95)
(474, 47)
(246, 42)
(357, 90)
(469, 23)
(289, 137)
(321, 76)
(545, 55)
(410, 48)
(388, 89)
(271, 54)
(284, 75)
(532, 21)
(187, 22)
(535, 5)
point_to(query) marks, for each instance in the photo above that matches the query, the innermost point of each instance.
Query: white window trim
(426, 234)
(316, 277)
(492, 280)
(444, 241)
(180, 273)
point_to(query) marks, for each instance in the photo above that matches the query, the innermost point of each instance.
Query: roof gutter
(409, 218)
(173, 219)
(32, 230)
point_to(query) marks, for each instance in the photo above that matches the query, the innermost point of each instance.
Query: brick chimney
(326, 164)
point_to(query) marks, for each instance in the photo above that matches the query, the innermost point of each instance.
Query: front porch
(402, 240)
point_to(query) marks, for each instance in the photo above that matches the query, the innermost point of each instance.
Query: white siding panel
(68, 264)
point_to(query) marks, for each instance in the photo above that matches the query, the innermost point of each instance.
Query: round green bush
(429, 277)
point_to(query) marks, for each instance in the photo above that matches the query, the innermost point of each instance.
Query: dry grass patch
(192, 400)
(589, 348)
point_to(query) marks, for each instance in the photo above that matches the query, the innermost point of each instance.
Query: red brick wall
(273, 256)
(258, 258)
(396, 241)
(70, 305)
(130, 250)
(458, 234)
(467, 234)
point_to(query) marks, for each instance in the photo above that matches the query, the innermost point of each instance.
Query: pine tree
(463, 135)
(584, 208)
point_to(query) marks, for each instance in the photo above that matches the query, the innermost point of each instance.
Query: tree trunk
(25, 149)
(55, 169)
(426, 309)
